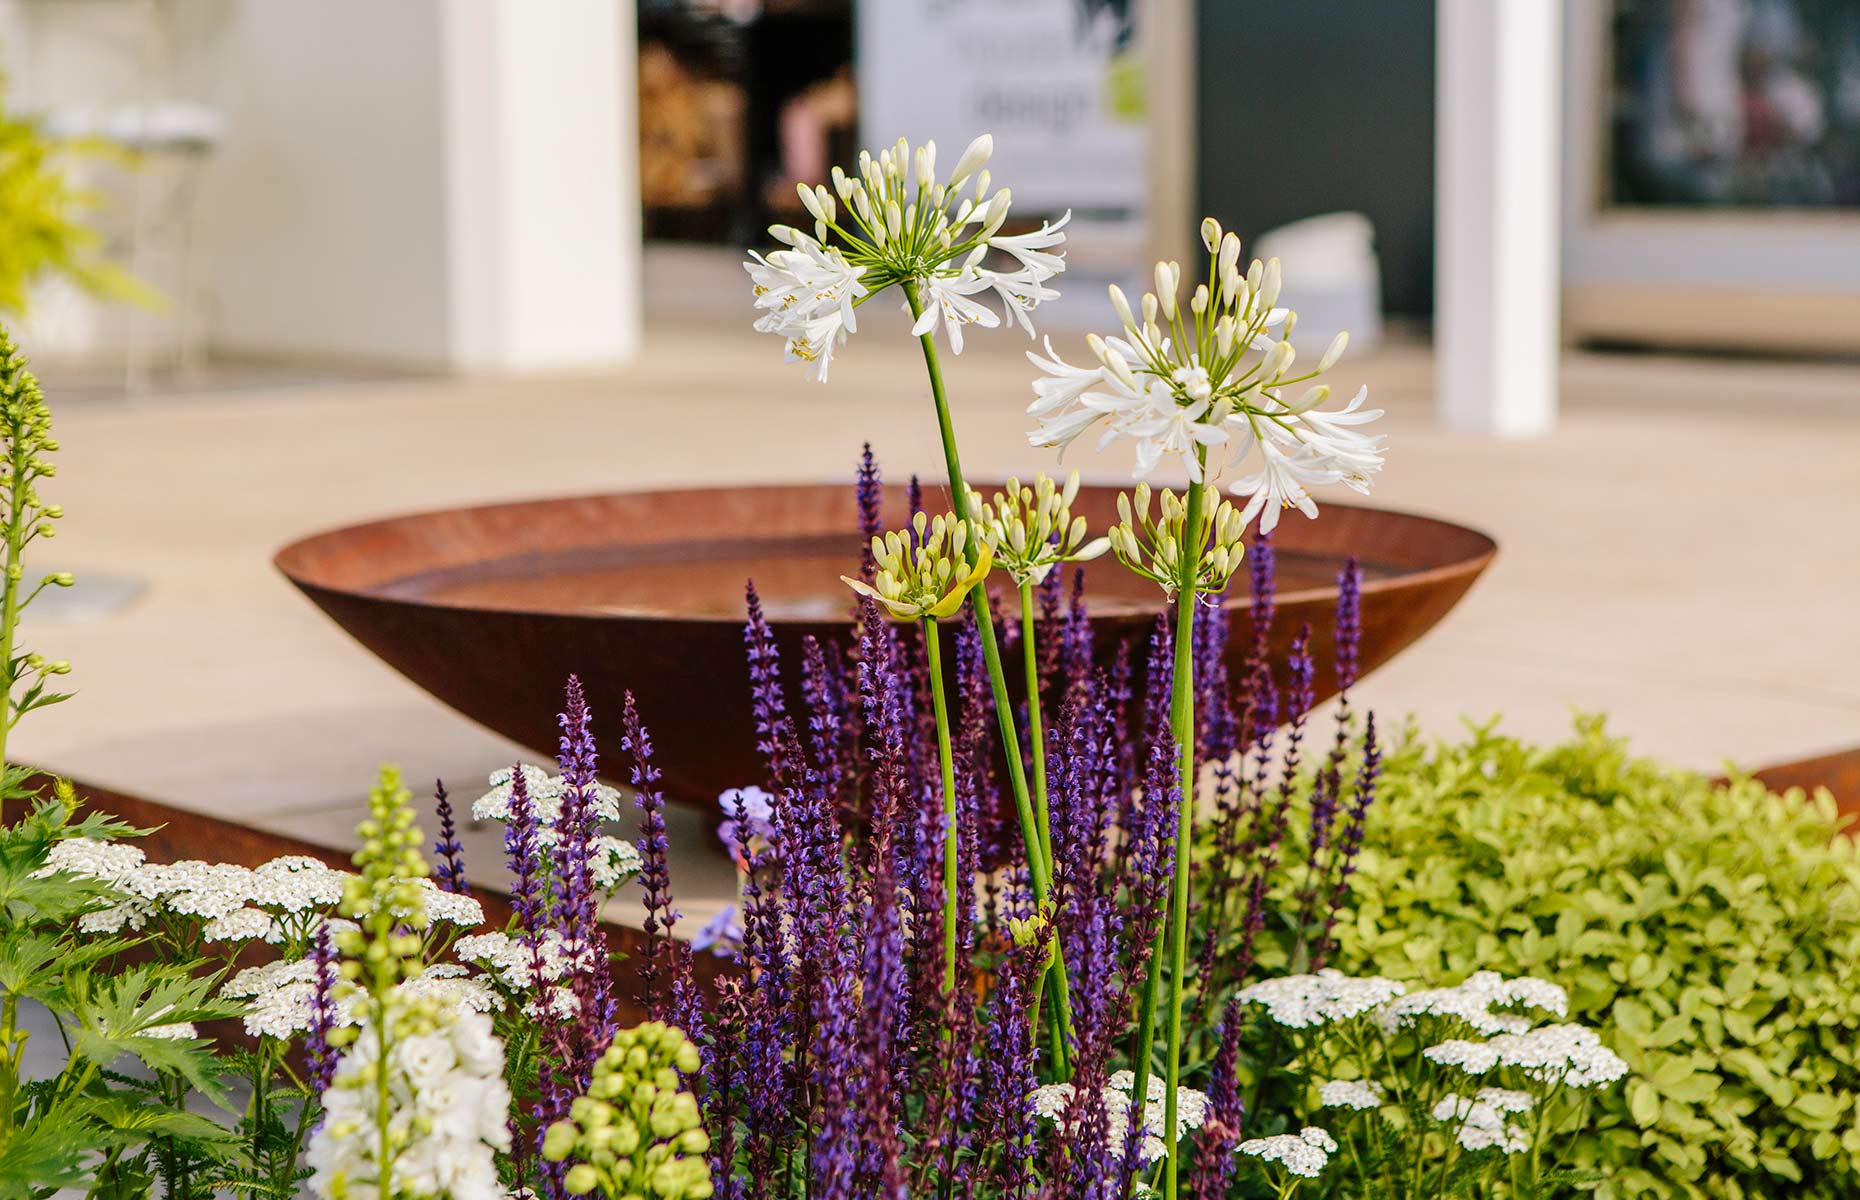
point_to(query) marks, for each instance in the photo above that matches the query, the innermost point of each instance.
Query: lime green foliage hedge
(1713, 932)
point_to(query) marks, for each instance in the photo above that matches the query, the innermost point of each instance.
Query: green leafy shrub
(1710, 931)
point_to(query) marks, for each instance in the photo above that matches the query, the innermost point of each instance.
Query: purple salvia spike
(522, 854)
(655, 876)
(914, 504)
(317, 1050)
(1271, 819)
(1213, 710)
(725, 1085)
(870, 494)
(577, 842)
(1151, 861)
(883, 988)
(1048, 631)
(1009, 1074)
(529, 903)
(1349, 624)
(449, 872)
(1214, 1155)
(1075, 636)
(763, 948)
(976, 796)
(838, 1088)
(821, 700)
(1263, 565)
(768, 1080)
(1350, 844)
(774, 729)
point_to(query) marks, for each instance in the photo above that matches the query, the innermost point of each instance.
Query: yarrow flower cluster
(614, 861)
(1050, 1102)
(1184, 380)
(901, 225)
(1305, 1153)
(923, 574)
(1358, 1094)
(1473, 1001)
(281, 901)
(1304, 1001)
(1032, 530)
(1480, 1122)
(1566, 1055)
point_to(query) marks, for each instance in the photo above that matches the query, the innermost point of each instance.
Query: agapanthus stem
(1036, 733)
(1182, 722)
(946, 760)
(1038, 868)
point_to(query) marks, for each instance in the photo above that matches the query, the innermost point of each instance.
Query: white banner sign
(1058, 83)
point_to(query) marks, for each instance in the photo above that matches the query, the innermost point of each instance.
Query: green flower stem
(933, 646)
(12, 1050)
(1182, 724)
(19, 490)
(1038, 868)
(1036, 733)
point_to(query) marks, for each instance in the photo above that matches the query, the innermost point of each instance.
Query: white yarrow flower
(1567, 1055)
(1358, 1094)
(1480, 1124)
(1050, 1102)
(1305, 1153)
(1302, 1001)
(1474, 1001)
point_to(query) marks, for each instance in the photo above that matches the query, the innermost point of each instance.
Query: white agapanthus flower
(1305, 1153)
(1302, 1001)
(1210, 379)
(1474, 1001)
(895, 221)
(1050, 1101)
(1358, 1094)
(1570, 1055)
(448, 1111)
(1480, 1124)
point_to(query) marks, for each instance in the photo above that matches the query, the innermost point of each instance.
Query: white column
(441, 183)
(1499, 72)
(543, 214)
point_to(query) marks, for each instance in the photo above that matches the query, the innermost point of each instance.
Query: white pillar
(442, 183)
(1499, 72)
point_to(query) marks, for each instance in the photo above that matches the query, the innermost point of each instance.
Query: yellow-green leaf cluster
(1710, 931)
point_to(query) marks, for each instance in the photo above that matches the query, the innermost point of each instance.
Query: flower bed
(1129, 984)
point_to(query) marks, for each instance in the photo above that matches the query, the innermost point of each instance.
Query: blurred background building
(452, 185)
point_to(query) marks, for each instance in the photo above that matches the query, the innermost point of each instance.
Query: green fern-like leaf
(124, 1016)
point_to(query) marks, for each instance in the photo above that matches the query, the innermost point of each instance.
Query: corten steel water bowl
(490, 609)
